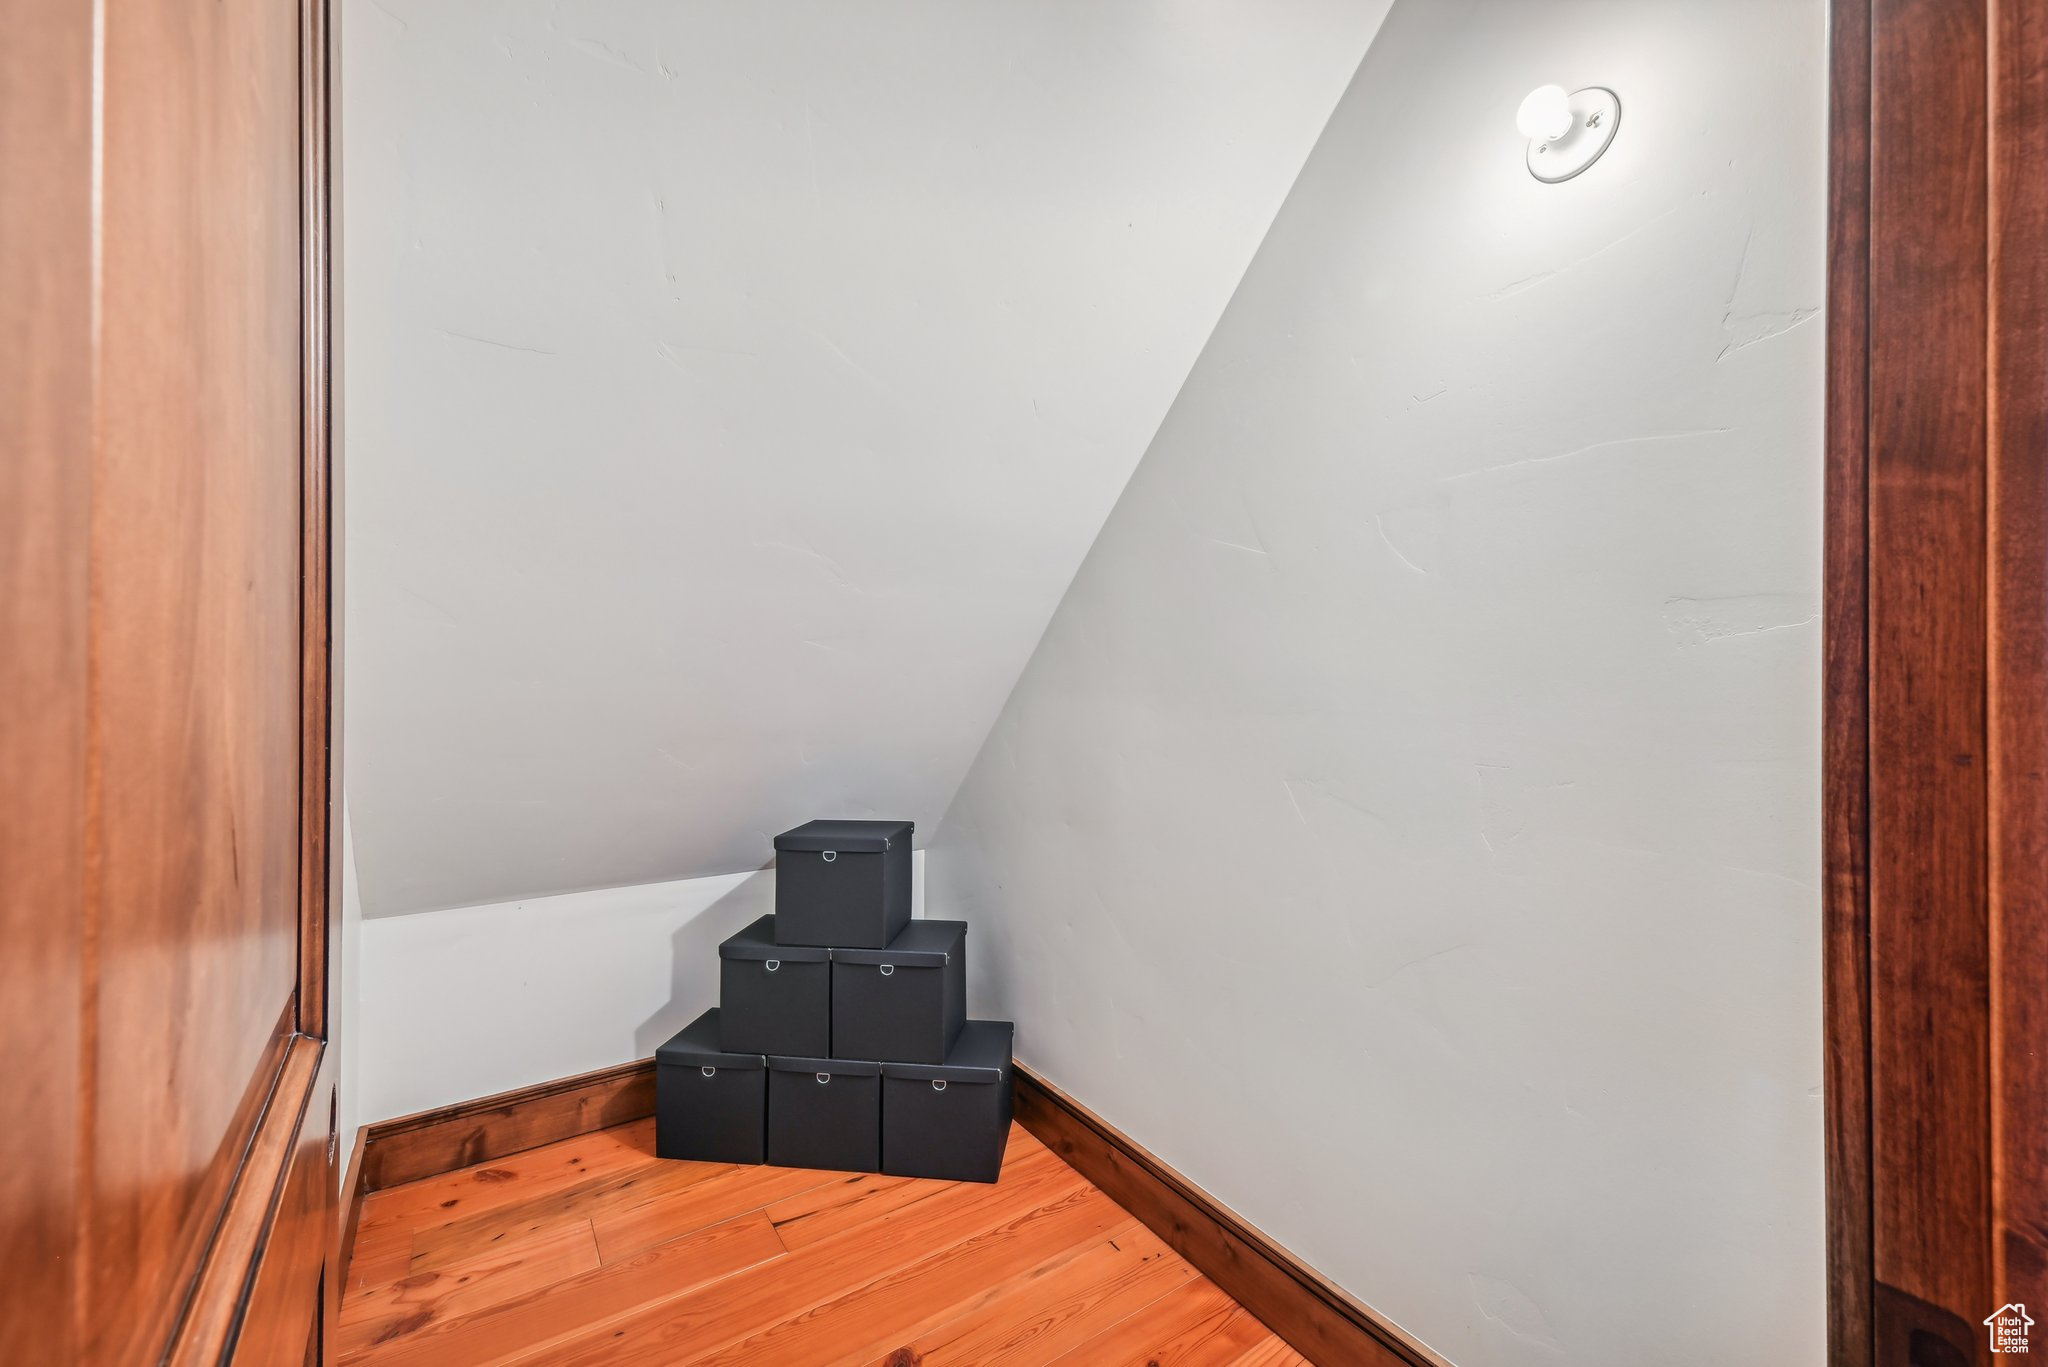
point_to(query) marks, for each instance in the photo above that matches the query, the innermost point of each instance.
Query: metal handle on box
(938, 1084)
(831, 855)
(824, 1078)
(887, 969)
(774, 964)
(708, 1071)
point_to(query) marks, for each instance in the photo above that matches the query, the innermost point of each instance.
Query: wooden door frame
(320, 607)
(1936, 668)
(273, 1252)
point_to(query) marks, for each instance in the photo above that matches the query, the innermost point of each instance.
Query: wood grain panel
(1930, 1028)
(195, 639)
(212, 1315)
(1845, 757)
(348, 1222)
(45, 486)
(1938, 537)
(284, 1303)
(320, 604)
(2019, 648)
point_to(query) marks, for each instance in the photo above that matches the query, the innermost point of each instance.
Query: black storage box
(825, 1113)
(709, 1104)
(773, 999)
(905, 1003)
(842, 883)
(950, 1120)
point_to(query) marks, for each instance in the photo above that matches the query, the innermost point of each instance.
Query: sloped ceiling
(731, 392)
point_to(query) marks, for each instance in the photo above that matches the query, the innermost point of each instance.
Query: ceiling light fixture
(1567, 132)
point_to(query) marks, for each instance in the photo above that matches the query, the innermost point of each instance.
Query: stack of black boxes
(841, 1038)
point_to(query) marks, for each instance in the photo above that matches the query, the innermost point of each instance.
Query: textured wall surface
(734, 388)
(1408, 825)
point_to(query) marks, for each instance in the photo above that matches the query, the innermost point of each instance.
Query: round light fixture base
(1596, 114)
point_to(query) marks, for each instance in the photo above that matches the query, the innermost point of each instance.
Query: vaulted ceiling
(731, 392)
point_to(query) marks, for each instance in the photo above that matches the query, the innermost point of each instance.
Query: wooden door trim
(353, 1190)
(250, 1268)
(319, 774)
(213, 1314)
(1845, 741)
(2018, 664)
(1936, 667)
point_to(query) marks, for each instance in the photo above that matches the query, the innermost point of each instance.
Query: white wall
(480, 1000)
(734, 388)
(1408, 824)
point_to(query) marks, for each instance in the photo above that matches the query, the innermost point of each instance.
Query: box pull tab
(774, 964)
(887, 969)
(938, 1084)
(708, 1071)
(831, 855)
(824, 1078)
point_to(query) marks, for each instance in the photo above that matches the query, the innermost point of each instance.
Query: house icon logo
(2009, 1328)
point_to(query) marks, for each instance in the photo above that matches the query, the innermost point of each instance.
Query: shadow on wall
(693, 951)
(472, 1001)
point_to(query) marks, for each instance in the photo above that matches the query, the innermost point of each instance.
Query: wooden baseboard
(451, 1137)
(1324, 1323)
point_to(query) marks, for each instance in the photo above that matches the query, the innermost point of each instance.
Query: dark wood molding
(1324, 1323)
(1930, 1086)
(450, 1137)
(1936, 791)
(2017, 496)
(1845, 736)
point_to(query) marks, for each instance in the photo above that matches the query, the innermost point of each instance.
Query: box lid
(921, 944)
(981, 1054)
(696, 1046)
(851, 1067)
(757, 941)
(858, 837)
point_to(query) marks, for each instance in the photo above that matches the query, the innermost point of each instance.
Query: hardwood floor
(594, 1251)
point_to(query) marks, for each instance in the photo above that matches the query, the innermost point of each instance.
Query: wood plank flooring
(594, 1251)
